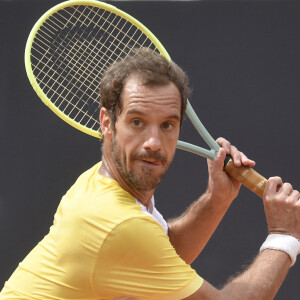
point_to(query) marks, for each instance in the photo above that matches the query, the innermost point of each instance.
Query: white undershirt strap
(155, 214)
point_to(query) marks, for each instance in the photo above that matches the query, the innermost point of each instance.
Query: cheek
(129, 143)
(124, 135)
(172, 153)
(123, 148)
(172, 142)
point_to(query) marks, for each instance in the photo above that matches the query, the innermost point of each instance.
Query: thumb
(219, 159)
(218, 163)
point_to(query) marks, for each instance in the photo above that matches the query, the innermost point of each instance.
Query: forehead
(163, 96)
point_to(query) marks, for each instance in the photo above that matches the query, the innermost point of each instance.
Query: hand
(221, 185)
(282, 207)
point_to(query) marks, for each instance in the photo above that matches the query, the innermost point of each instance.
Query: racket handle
(246, 176)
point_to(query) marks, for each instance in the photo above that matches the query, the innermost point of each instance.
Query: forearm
(262, 279)
(190, 232)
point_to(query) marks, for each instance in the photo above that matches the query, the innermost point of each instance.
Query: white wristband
(286, 243)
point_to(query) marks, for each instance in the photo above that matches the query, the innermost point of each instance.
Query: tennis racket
(67, 52)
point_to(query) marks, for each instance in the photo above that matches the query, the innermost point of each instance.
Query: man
(109, 242)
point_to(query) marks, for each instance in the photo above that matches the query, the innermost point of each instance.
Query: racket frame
(246, 175)
(208, 153)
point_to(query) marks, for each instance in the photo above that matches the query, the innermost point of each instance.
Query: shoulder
(140, 231)
(138, 255)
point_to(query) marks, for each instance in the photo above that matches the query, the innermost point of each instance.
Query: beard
(142, 178)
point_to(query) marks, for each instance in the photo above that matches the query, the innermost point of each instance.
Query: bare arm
(190, 232)
(260, 281)
(266, 274)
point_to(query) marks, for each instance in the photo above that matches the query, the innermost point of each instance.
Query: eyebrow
(135, 112)
(138, 112)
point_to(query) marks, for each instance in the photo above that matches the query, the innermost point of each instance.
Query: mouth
(150, 161)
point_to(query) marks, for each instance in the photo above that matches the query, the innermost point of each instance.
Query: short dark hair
(151, 67)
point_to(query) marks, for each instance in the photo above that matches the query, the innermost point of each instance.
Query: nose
(153, 140)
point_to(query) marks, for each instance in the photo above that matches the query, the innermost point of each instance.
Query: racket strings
(106, 60)
(72, 50)
(92, 67)
(76, 68)
(56, 83)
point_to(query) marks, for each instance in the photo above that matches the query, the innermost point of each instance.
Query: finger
(219, 159)
(224, 144)
(283, 194)
(246, 161)
(286, 189)
(240, 158)
(297, 203)
(291, 200)
(272, 186)
(236, 156)
(218, 162)
(293, 197)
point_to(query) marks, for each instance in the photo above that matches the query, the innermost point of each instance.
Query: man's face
(146, 132)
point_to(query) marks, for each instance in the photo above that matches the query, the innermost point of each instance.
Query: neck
(109, 170)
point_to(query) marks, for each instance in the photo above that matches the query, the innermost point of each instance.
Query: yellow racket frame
(39, 23)
(245, 175)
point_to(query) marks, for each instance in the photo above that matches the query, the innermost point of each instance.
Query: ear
(105, 122)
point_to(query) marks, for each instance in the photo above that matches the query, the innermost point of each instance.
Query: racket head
(67, 52)
(69, 48)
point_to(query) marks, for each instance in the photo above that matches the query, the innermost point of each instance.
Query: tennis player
(108, 241)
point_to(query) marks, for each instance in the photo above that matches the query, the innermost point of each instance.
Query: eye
(136, 122)
(167, 126)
